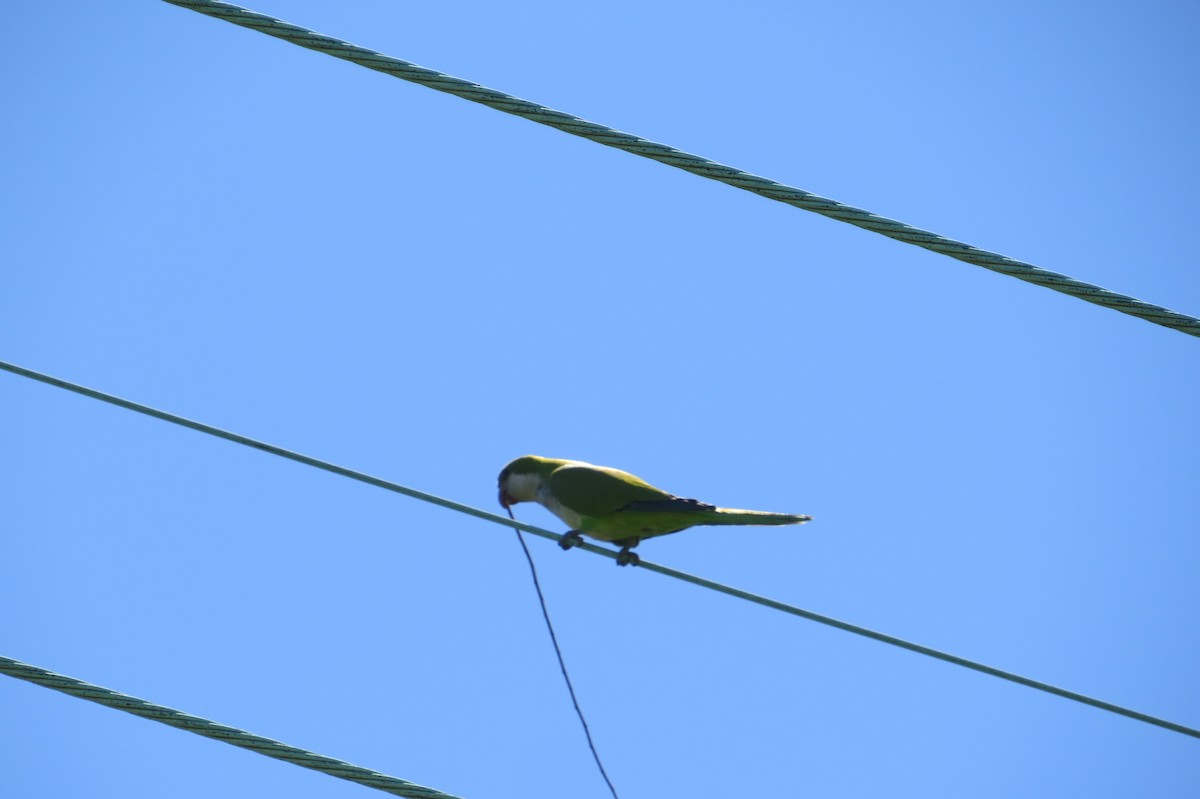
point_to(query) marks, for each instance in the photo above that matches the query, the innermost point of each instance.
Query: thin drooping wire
(562, 664)
(210, 729)
(695, 164)
(608, 553)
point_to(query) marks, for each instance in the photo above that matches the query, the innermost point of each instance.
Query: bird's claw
(571, 539)
(627, 558)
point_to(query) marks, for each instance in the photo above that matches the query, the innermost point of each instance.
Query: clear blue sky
(209, 221)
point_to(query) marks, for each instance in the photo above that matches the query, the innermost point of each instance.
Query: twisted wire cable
(695, 164)
(218, 732)
(608, 553)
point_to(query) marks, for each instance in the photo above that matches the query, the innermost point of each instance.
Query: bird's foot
(571, 539)
(627, 558)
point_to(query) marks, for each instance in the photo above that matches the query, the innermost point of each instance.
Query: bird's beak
(506, 499)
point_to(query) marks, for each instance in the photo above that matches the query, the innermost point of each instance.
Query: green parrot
(612, 505)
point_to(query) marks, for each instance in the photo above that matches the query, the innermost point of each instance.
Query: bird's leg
(571, 539)
(625, 557)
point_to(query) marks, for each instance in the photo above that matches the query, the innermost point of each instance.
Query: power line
(695, 164)
(218, 732)
(608, 553)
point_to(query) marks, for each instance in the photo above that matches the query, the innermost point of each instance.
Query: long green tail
(738, 516)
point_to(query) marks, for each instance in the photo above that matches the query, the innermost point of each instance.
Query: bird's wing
(599, 491)
(672, 505)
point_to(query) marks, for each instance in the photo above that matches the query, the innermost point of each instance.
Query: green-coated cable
(219, 732)
(693, 163)
(608, 553)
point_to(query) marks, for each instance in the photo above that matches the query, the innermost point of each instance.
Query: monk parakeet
(612, 505)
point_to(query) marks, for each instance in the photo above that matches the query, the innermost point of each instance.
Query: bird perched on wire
(612, 505)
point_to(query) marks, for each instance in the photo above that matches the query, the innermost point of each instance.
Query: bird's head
(521, 479)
